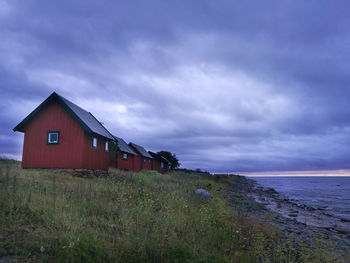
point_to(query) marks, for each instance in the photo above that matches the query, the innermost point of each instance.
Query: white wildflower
(42, 249)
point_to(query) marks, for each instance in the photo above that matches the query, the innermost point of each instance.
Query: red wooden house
(126, 156)
(159, 163)
(143, 160)
(60, 134)
(164, 165)
(155, 161)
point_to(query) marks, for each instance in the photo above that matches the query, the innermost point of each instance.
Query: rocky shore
(289, 216)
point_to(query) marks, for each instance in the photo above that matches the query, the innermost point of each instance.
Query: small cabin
(60, 134)
(159, 163)
(143, 160)
(125, 159)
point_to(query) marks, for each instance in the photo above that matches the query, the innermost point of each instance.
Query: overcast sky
(229, 86)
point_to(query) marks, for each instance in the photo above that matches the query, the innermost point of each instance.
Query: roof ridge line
(61, 100)
(101, 124)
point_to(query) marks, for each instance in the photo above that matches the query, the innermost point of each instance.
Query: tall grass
(133, 217)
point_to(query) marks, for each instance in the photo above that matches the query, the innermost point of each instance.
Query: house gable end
(54, 96)
(84, 118)
(140, 150)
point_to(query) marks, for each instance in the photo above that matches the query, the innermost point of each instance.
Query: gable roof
(166, 160)
(85, 118)
(141, 150)
(123, 146)
(158, 157)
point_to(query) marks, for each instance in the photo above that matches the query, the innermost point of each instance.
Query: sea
(330, 193)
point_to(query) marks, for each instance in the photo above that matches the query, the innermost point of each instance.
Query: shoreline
(288, 215)
(305, 214)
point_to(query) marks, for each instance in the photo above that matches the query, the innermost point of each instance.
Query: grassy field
(129, 217)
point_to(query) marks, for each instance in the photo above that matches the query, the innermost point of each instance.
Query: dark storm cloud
(229, 87)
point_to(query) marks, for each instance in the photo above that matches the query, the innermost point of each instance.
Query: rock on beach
(204, 194)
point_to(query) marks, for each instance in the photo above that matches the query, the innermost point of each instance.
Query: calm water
(329, 193)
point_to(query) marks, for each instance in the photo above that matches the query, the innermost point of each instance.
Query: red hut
(155, 161)
(143, 160)
(159, 163)
(167, 165)
(126, 156)
(60, 134)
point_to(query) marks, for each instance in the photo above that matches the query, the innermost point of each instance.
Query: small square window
(94, 142)
(53, 137)
(125, 156)
(162, 165)
(106, 146)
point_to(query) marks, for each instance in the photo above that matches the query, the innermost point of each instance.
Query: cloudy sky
(249, 86)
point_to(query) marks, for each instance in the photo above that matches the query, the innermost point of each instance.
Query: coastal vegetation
(52, 216)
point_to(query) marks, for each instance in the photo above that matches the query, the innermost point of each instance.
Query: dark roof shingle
(123, 146)
(158, 157)
(85, 118)
(141, 150)
(94, 125)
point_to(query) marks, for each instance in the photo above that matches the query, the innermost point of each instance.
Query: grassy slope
(129, 217)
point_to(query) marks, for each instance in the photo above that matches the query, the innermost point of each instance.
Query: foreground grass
(129, 217)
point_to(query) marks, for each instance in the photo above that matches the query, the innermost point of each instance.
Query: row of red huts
(60, 134)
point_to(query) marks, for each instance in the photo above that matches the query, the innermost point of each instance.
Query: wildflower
(113, 225)
(42, 249)
(71, 244)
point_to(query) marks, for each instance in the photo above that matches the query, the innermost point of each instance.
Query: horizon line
(318, 173)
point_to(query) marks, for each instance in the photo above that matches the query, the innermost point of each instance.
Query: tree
(174, 162)
(114, 151)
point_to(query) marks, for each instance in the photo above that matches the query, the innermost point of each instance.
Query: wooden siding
(146, 163)
(137, 163)
(155, 165)
(165, 168)
(140, 162)
(67, 154)
(95, 158)
(125, 164)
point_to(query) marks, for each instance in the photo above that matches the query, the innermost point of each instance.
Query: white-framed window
(125, 156)
(106, 147)
(162, 165)
(53, 137)
(94, 142)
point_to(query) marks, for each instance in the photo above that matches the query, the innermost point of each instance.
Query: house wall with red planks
(68, 153)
